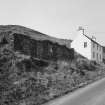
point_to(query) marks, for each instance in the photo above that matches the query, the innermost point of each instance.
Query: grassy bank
(25, 81)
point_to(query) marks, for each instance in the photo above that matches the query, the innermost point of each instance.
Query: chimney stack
(94, 38)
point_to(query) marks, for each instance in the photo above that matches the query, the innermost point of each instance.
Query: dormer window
(85, 44)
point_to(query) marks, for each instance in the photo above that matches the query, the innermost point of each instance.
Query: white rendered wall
(78, 45)
(98, 51)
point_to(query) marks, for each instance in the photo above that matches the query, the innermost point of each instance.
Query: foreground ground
(93, 94)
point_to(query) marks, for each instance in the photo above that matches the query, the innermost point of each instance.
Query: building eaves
(93, 40)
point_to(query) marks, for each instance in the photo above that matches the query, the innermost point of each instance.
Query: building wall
(78, 45)
(103, 57)
(103, 54)
(97, 52)
(92, 50)
(42, 49)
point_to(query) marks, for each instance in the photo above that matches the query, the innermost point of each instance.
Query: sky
(58, 18)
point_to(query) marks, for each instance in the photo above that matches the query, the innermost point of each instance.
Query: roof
(92, 40)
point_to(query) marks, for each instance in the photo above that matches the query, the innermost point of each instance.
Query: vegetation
(23, 82)
(26, 80)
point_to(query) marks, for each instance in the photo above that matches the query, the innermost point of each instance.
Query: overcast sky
(58, 18)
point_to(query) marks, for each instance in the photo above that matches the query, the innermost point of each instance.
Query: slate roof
(93, 40)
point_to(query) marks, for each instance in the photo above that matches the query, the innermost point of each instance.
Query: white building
(88, 47)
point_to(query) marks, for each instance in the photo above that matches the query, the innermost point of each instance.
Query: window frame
(97, 46)
(97, 56)
(100, 48)
(93, 45)
(93, 54)
(85, 44)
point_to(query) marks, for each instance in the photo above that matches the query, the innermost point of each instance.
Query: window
(51, 50)
(85, 44)
(100, 48)
(100, 57)
(97, 56)
(93, 54)
(97, 46)
(93, 44)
